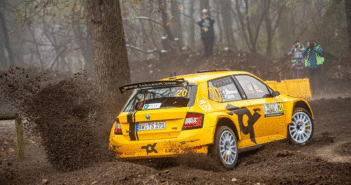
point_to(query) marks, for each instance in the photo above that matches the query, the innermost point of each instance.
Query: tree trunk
(348, 15)
(220, 27)
(227, 22)
(192, 26)
(176, 21)
(3, 61)
(253, 34)
(269, 37)
(87, 54)
(205, 4)
(166, 25)
(87, 49)
(293, 23)
(269, 34)
(84, 42)
(5, 37)
(109, 51)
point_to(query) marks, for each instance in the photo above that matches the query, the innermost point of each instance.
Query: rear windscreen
(159, 98)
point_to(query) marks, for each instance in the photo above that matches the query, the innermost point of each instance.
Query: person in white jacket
(297, 59)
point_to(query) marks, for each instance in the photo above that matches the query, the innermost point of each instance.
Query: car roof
(206, 76)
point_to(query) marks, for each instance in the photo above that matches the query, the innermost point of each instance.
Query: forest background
(55, 34)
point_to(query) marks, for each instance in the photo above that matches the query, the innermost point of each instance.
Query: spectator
(313, 54)
(207, 32)
(297, 59)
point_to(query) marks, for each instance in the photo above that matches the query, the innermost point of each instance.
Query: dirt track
(326, 160)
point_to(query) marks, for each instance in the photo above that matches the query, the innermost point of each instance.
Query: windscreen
(159, 98)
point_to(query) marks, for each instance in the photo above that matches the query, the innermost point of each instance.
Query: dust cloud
(64, 110)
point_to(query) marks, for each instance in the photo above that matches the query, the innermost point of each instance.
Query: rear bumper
(196, 140)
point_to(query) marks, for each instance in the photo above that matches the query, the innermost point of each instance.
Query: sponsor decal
(125, 153)
(258, 90)
(190, 141)
(253, 88)
(173, 150)
(178, 150)
(250, 123)
(273, 109)
(229, 94)
(203, 103)
(151, 106)
(150, 148)
(250, 88)
(151, 84)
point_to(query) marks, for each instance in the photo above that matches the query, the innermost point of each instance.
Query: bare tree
(247, 25)
(4, 38)
(83, 34)
(205, 4)
(3, 60)
(176, 20)
(270, 25)
(227, 22)
(165, 22)
(192, 25)
(348, 15)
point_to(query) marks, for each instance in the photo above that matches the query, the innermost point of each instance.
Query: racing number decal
(182, 93)
(252, 120)
(150, 148)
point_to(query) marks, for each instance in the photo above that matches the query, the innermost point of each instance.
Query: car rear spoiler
(168, 83)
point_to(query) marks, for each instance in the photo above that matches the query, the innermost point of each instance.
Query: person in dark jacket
(207, 32)
(313, 54)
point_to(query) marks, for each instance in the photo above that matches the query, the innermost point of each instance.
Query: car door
(271, 122)
(224, 95)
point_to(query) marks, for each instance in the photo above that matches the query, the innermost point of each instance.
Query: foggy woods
(70, 35)
(107, 38)
(60, 34)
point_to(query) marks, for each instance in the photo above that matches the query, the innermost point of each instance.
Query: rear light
(193, 120)
(118, 129)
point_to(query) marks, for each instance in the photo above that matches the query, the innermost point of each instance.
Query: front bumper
(196, 140)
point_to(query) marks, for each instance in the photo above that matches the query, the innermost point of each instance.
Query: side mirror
(275, 93)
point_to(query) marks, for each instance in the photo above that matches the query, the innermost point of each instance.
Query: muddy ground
(326, 160)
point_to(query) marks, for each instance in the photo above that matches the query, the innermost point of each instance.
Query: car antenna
(170, 74)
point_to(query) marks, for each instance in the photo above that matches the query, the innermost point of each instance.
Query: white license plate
(151, 126)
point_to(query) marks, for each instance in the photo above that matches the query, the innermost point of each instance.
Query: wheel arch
(225, 121)
(305, 105)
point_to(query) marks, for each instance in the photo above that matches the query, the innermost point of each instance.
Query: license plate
(151, 126)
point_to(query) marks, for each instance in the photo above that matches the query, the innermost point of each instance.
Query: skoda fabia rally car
(214, 112)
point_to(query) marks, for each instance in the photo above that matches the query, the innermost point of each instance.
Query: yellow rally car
(214, 112)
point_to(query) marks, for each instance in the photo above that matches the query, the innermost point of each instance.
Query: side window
(252, 87)
(223, 90)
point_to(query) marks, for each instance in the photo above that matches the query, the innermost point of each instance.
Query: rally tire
(301, 129)
(225, 148)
